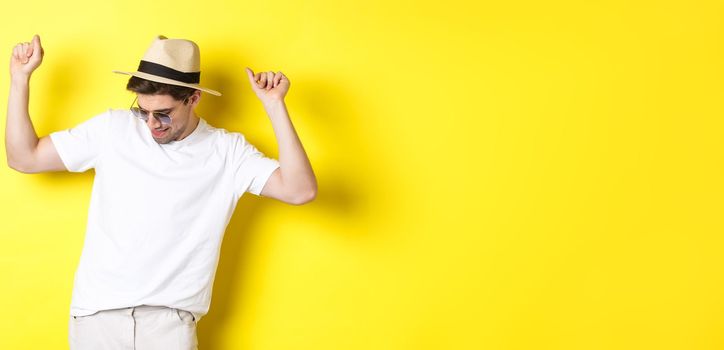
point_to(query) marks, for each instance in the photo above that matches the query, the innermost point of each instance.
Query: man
(166, 183)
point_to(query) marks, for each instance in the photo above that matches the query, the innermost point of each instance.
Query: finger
(36, 47)
(19, 52)
(29, 50)
(251, 75)
(262, 80)
(285, 80)
(16, 52)
(269, 80)
(277, 78)
(36, 41)
(24, 53)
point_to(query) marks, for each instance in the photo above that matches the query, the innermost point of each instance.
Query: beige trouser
(134, 328)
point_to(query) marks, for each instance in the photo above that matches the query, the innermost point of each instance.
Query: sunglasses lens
(137, 112)
(165, 119)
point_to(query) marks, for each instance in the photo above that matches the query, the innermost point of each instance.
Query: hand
(26, 57)
(268, 86)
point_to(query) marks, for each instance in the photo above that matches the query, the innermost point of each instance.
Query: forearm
(20, 137)
(296, 170)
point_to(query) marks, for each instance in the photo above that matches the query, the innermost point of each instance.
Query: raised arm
(294, 181)
(25, 152)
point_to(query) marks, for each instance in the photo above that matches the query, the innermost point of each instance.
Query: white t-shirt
(157, 213)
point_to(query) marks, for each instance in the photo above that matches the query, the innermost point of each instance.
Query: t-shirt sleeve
(251, 168)
(80, 147)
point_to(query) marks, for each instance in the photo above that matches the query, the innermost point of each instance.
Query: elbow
(24, 166)
(18, 167)
(304, 198)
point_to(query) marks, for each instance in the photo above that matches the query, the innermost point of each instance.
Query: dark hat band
(170, 73)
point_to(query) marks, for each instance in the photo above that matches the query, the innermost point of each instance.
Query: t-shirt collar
(188, 139)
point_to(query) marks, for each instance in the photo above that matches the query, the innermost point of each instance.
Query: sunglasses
(163, 118)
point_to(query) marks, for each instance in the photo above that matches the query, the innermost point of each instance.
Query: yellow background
(504, 175)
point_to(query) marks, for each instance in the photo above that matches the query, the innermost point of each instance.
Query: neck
(190, 127)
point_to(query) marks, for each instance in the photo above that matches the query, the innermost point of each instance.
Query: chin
(166, 139)
(169, 135)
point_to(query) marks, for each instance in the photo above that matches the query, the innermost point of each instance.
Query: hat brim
(158, 79)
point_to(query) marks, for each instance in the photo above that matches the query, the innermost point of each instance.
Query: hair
(147, 87)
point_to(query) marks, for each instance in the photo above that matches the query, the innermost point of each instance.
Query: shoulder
(224, 137)
(118, 116)
(108, 117)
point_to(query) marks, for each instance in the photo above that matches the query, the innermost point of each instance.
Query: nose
(152, 122)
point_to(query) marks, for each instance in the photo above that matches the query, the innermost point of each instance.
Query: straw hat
(171, 61)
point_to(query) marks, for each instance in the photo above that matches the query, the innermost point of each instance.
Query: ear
(195, 98)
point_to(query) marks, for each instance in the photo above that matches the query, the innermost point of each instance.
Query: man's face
(183, 119)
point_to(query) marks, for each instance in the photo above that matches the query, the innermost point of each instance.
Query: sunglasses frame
(163, 118)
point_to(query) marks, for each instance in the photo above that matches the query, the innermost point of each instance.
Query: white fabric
(157, 213)
(135, 328)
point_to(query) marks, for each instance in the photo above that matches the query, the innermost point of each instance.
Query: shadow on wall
(332, 112)
(334, 116)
